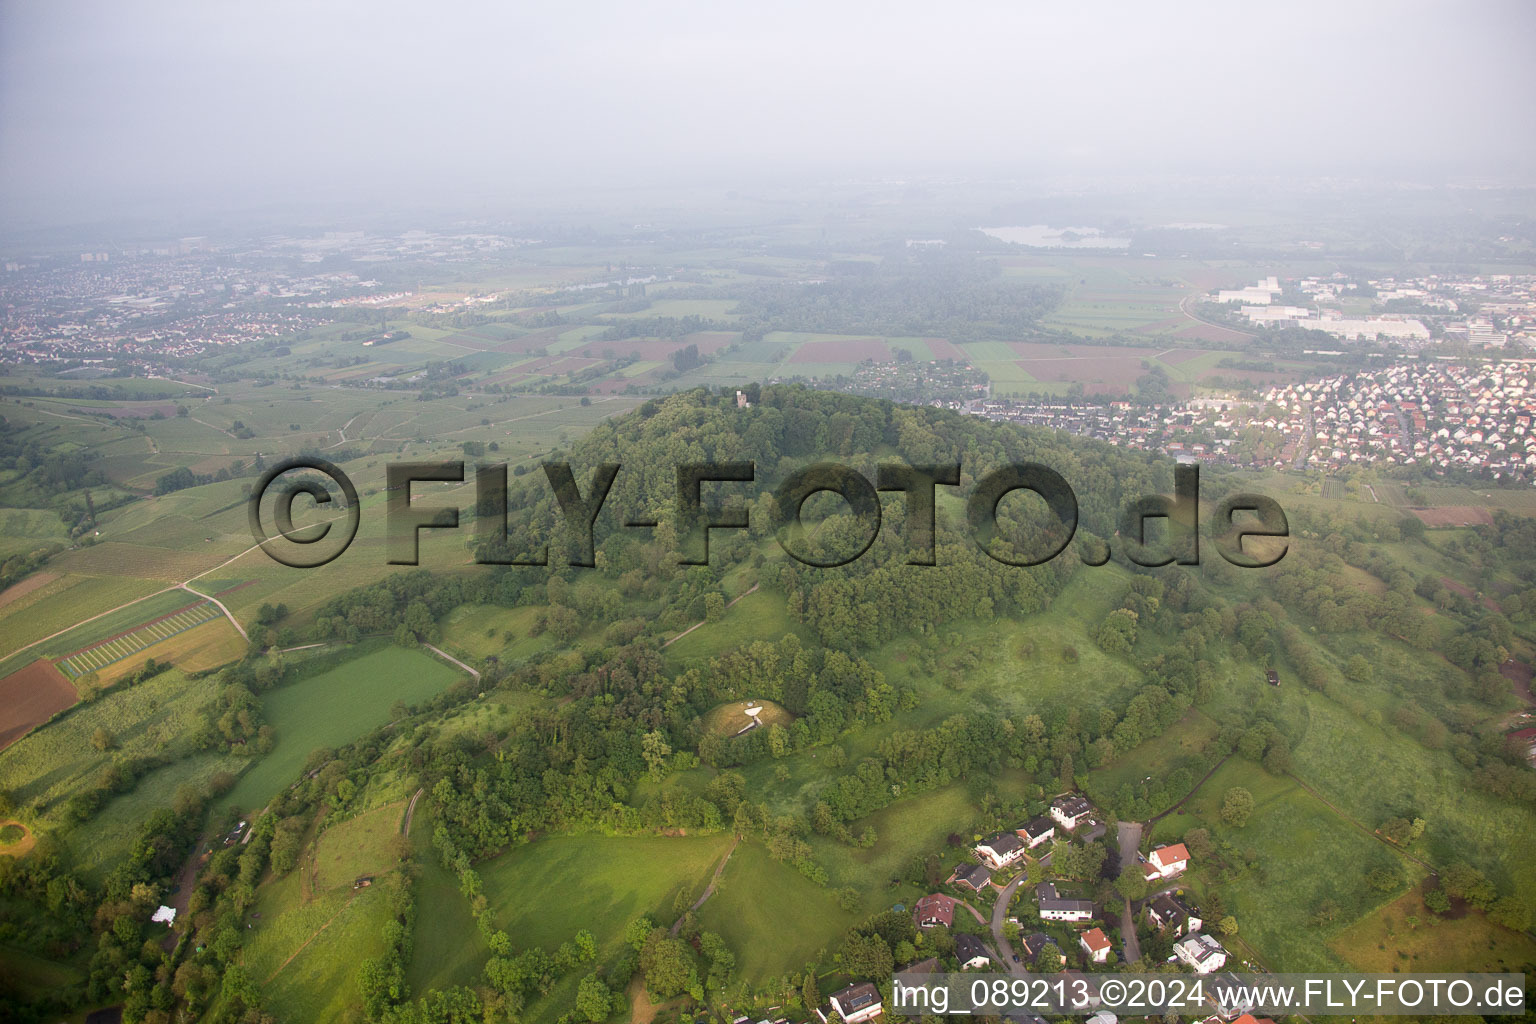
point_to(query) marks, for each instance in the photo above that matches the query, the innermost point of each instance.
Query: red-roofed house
(1096, 944)
(936, 909)
(1167, 861)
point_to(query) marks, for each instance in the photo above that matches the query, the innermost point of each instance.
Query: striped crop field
(125, 645)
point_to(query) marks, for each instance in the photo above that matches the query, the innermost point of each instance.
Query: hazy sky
(114, 103)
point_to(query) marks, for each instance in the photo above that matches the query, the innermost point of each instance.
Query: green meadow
(334, 707)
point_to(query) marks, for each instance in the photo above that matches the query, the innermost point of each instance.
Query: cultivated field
(129, 643)
(29, 697)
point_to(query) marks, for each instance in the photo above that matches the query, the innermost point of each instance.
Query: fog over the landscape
(105, 105)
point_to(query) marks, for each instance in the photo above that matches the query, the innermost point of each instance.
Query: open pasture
(333, 707)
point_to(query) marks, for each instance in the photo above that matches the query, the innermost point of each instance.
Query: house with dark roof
(857, 1003)
(1037, 831)
(974, 877)
(971, 952)
(1056, 908)
(1170, 914)
(1001, 850)
(935, 909)
(1069, 810)
(1031, 946)
(928, 966)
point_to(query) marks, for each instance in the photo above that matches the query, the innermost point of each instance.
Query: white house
(1167, 861)
(1201, 952)
(1000, 850)
(1056, 908)
(1096, 944)
(1037, 831)
(1070, 810)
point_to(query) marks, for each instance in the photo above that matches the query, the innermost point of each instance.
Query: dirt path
(313, 936)
(448, 657)
(696, 625)
(709, 890)
(186, 878)
(93, 618)
(410, 810)
(1185, 798)
(220, 605)
(1184, 308)
(1370, 832)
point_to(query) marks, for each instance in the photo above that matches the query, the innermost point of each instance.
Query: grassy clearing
(51, 763)
(729, 719)
(448, 947)
(341, 929)
(1406, 936)
(110, 835)
(1156, 757)
(358, 846)
(759, 616)
(1304, 854)
(546, 892)
(483, 630)
(1337, 751)
(334, 707)
(771, 915)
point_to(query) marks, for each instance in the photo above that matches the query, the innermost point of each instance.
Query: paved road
(999, 918)
(1130, 842)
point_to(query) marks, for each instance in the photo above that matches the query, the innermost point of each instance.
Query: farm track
(313, 936)
(709, 890)
(696, 625)
(410, 811)
(448, 657)
(1368, 831)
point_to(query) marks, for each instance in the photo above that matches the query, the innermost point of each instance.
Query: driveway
(1130, 842)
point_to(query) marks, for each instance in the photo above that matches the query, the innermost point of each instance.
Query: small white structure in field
(751, 711)
(165, 914)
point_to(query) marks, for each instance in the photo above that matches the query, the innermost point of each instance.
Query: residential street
(999, 917)
(1130, 842)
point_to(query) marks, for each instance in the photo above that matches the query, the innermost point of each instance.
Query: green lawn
(358, 846)
(545, 892)
(1304, 854)
(772, 917)
(448, 947)
(342, 928)
(331, 708)
(482, 630)
(759, 616)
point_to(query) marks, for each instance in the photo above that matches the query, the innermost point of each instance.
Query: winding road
(999, 918)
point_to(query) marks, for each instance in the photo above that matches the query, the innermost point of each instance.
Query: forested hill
(787, 427)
